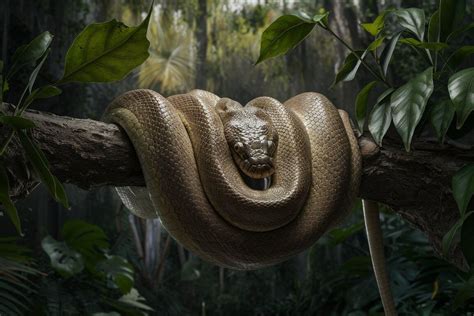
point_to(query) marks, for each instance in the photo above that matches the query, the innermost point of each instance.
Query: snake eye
(238, 146)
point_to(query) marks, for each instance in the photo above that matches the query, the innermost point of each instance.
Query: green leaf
(433, 27)
(35, 72)
(408, 104)
(134, 299)
(377, 25)
(379, 121)
(459, 32)
(30, 53)
(105, 52)
(361, 104)
(118, 273)
(322, 19)
(87, 239)
(6, 201)
(350, 67)
(388, 52)
(467, 240)
(282, 35)
(441, 116)
(434, 46)
(461, 92)
(453, 232)
(463, 187)
(63, 259)
(451, 14)
(412, 19)
(376, 43)
(44, 92)
(465, 292)
(458, 56)
(17, 122)
(41, 166)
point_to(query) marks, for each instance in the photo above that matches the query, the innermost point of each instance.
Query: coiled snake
(198, 153)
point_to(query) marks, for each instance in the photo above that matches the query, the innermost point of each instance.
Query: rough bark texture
(89, 153)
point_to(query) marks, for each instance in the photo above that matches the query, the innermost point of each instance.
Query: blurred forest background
(213, 45)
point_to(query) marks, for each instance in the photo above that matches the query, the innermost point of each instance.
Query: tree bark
(416, 185)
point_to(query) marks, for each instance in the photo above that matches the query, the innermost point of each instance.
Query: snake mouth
(257, 168)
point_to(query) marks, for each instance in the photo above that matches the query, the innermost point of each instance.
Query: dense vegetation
(109, 262)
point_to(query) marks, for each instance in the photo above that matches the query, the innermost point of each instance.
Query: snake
(245, 187)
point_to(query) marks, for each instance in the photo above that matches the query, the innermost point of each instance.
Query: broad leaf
(376, 43)
(134, 299)
(118, 273)
(412, 19)
(388, 52)
(451, 14)
(461, 92)
(16, 122)
(282, 35)
(379, 121)
(41, 166)
(467, 240)
(87, 239)
(105, 52)
(350, 67)
(463, 187)
(434, 46)
(6, 201)
(322, 19)
(339, 235)
(441, 116)
(30, 53)
(63, 259)
(433, 28)
(361, 104)
(453, 234)
(35, 72)
(408, 104)
(456, 58)
(465, 293)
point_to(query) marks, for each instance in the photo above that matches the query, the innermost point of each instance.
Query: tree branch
(88, 153)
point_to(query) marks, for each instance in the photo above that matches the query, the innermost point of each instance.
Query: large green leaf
(350, 67)
(105, 52)
(465, 293)
(441, 116)
(6, 201)
(388, 52)
(451, 14)
(284, 34)
(379, 121)
(461, 92)
(87, 239)
(463, 187)
(433, 28)
(41, 166)
(458, 56)
(66, 261)
(408, 104)
(361, 104)
(30, 53)
(118, 273)
(412, 19)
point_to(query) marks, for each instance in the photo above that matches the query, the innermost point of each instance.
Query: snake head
(251, 138)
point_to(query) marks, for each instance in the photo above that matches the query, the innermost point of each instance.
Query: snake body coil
(194, 171)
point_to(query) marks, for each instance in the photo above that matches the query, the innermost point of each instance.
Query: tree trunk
(416, 185)
(201, 44)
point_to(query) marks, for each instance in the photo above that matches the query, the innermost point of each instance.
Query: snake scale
(198, 153)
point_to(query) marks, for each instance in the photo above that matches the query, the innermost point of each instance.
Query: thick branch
(416, 185)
